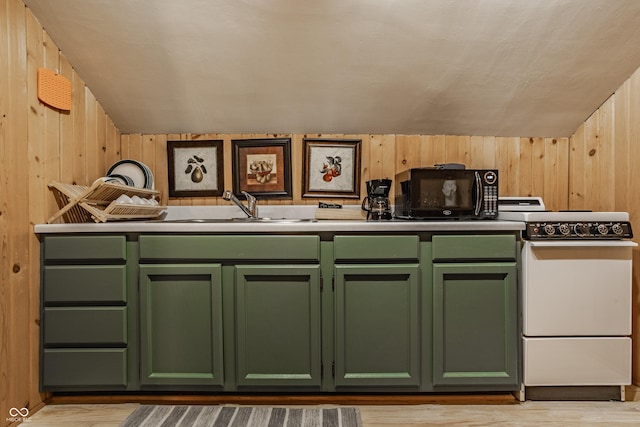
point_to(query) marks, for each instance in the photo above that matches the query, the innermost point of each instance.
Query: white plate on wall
(137, 171)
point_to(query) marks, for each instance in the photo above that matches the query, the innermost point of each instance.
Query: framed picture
(331, 168)
(196, 168)
(262, 167)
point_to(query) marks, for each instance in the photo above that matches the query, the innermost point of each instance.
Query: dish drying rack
(79, 203)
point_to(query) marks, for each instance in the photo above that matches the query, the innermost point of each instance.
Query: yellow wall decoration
(54, 89)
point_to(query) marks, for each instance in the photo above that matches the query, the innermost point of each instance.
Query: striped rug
(241, 416)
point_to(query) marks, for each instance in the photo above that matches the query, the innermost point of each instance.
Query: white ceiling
(466, 67)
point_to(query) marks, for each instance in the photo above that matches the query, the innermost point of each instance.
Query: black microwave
(436, 193)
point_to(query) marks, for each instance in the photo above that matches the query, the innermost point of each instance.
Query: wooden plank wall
(604, 153)
(527, 166)
(37, 144)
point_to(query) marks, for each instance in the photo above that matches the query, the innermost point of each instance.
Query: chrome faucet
(251, 210)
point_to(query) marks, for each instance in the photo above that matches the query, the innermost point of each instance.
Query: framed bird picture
(195, 168)
(331, 168)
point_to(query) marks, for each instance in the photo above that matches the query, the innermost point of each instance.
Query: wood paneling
(37, 144)
(527, 166)
(17, 231)
(37, 188)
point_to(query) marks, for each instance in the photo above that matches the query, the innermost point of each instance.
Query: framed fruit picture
(262, 167)
(195, 168)
(331, 168)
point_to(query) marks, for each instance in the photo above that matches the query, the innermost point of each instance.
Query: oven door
(576, 313)
(577, 288)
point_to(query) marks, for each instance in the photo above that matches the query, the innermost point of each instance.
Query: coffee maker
(376, 203)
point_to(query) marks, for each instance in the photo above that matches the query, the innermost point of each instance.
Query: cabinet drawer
(76, 284)
(230, 247)
(476, 247)
(85, 325)
(72, 367)
(376, 247)
(594, 361)
(85, 248)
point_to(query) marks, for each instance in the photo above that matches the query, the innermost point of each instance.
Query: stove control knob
(564, 229)
(603, 229)
(581, 229)
(549, 229)
(617, 228)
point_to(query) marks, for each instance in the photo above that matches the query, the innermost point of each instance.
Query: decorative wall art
(262, 167)
(331, 168)
(196, 168)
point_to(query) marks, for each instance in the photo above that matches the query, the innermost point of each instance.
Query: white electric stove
(576, 301)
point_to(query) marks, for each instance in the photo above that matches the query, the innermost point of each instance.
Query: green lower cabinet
(278, 326)
(377, 333)
(402, 314)
(181, 326)
(475, 325)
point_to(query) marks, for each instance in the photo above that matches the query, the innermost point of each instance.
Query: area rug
(241, 416)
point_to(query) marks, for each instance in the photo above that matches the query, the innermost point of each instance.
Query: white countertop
(279, 227)
(179, 213)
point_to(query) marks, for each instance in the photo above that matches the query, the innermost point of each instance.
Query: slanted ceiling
(465, 67)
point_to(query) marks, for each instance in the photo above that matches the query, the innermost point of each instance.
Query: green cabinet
(377, 325)
(235, 312)
(278, 325)
(86, 329)
(475, 317)
(327, 312)
(181, 325)
(377, 312)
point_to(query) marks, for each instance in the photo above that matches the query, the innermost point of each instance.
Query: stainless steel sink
(238, 220)
(285, 220)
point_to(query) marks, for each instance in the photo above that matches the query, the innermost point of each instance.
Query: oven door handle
(583, 243)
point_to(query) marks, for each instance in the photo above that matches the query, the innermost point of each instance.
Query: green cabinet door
(377, 333)
(475, 324)
(278, 326)
(181, 325)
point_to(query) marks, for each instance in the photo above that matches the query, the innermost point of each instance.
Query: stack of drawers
(84, 313)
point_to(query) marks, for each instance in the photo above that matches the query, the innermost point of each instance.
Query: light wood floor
(529, 413)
